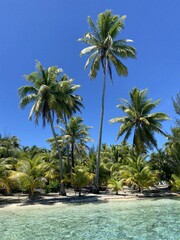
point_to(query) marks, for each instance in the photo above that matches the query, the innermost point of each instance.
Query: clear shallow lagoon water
(156, 219)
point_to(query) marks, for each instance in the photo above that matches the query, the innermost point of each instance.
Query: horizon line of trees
(24, 168)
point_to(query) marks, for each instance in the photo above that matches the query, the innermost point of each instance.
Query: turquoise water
(121, 220)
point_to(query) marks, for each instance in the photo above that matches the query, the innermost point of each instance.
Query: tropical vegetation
(105, 50)
(71, 161)
(50, 96)
(140, 120)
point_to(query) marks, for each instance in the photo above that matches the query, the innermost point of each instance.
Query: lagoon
(154, 219)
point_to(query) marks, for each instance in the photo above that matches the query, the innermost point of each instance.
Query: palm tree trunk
(72, 156)
(62, 190)
(68, 160)
(96, 182)
(68, 155)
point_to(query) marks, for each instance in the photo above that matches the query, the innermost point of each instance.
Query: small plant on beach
(115, 184)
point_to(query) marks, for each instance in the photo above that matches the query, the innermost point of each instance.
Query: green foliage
(29, 173)
(76, 135)
(81, 177)
(140, 120)
(51, 95)
(52, 186)
(115, 184)
(175, 183)
(5, 167)
(104, 49)
(172, 148)
(160, 161)
(137, 172)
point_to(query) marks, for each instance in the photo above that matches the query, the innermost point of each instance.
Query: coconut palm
(115, 184)
(76, 134)
(137, 172)
(140, 120)
(81, 177)
(9, 146)
(29, 173)
(5, 167)
(105, 51)
(172, 148)
(50, 95)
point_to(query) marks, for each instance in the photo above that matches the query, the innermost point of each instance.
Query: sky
(47, 30)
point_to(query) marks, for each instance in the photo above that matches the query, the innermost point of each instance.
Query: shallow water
(122, 220)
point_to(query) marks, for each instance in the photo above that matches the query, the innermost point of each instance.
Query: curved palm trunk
(96, 183)
(62, 190)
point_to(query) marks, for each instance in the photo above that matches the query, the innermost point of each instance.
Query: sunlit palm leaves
(137, 172)
(30, 173)
(105, 51)
(139, 120)
(51, 94)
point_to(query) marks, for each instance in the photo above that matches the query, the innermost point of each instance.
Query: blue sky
(48, 30)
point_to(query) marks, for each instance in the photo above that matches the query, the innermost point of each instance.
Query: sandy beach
(20, 200)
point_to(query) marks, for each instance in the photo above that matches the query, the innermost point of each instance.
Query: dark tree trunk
(72, 156)
(62, 190)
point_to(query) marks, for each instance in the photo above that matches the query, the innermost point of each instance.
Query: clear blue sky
(48, 30)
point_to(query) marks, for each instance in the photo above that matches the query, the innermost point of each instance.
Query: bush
(53, 186)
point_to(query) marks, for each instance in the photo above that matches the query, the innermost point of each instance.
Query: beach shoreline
(20, 201)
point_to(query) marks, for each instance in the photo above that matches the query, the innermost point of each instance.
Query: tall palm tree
(105, 51)
(50, 95)
(140, 120)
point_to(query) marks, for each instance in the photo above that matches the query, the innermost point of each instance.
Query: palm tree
(29, 173)
(50, 96)
(9, 146)
(140, 120)
(115, 184)
(5, 167)
(172, 148)
(137, 172)
(76, 134)
(80, 178)
(105, 51)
